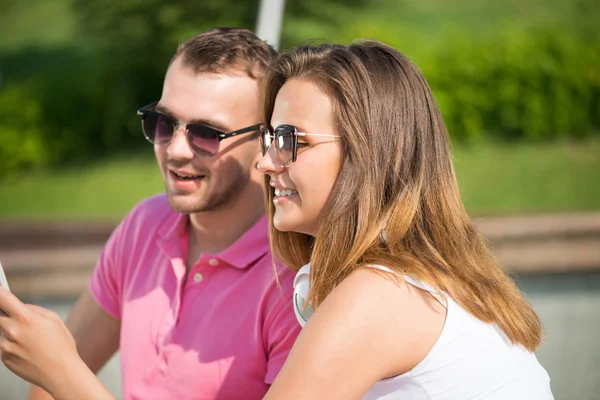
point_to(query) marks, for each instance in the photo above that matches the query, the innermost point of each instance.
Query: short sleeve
(106, 283)
(281, 327)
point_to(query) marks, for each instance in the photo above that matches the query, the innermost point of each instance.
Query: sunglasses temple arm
(244, 130)
(315, 134)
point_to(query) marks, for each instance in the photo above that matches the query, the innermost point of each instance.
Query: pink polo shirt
(223, 334)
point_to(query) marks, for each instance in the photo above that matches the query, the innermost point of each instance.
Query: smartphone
(4, 284)
(3, 281)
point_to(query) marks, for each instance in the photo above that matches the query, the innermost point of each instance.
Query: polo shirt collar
(251, 246)
(175, 226)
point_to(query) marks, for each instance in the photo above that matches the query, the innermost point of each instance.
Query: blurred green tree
(516, 70)
(131, 43)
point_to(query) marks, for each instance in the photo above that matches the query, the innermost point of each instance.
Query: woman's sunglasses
(204, 140)
(285, 140)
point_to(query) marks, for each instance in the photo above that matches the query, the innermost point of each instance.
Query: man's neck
(214, 231)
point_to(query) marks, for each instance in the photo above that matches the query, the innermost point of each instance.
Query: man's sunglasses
(285, 140)
(204, 140)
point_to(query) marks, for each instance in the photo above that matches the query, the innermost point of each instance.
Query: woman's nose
(269, 162)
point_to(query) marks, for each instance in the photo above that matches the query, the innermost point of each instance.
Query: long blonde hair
(395, 201)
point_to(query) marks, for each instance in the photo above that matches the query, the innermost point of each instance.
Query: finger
(7, 348)
(4, 344)
(8, 328)
(10, 304)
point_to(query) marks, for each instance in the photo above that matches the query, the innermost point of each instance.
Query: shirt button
(198, 277)
(213, 262)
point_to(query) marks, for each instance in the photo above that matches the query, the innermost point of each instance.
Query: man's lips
(185, 175)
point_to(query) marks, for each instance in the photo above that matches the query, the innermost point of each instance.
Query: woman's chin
(285, 225)
(282, 225)
(285, 222)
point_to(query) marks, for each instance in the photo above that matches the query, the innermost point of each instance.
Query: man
(185, 286)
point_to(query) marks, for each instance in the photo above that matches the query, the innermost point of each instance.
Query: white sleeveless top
(470, 360)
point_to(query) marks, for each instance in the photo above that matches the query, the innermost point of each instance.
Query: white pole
(270, 17)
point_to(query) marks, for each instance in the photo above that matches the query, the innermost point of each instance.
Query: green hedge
(534, 85)
(72, 107)
(521, 86)
(21, 129)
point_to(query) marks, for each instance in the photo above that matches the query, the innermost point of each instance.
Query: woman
(363, 203)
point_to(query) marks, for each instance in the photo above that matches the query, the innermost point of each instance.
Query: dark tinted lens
(265, 140)
(204, 140)
(157, 128)
(284, 144)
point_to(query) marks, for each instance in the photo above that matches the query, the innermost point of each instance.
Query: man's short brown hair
(225, 49)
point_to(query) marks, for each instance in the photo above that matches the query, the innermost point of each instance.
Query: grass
(529, 178)
(494, 179)
(101, 190)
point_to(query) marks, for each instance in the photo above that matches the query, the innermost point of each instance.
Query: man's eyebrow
(213, 124)
(201, 121)
(162, 109)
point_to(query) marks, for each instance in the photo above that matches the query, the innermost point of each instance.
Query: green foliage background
(73, 72)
